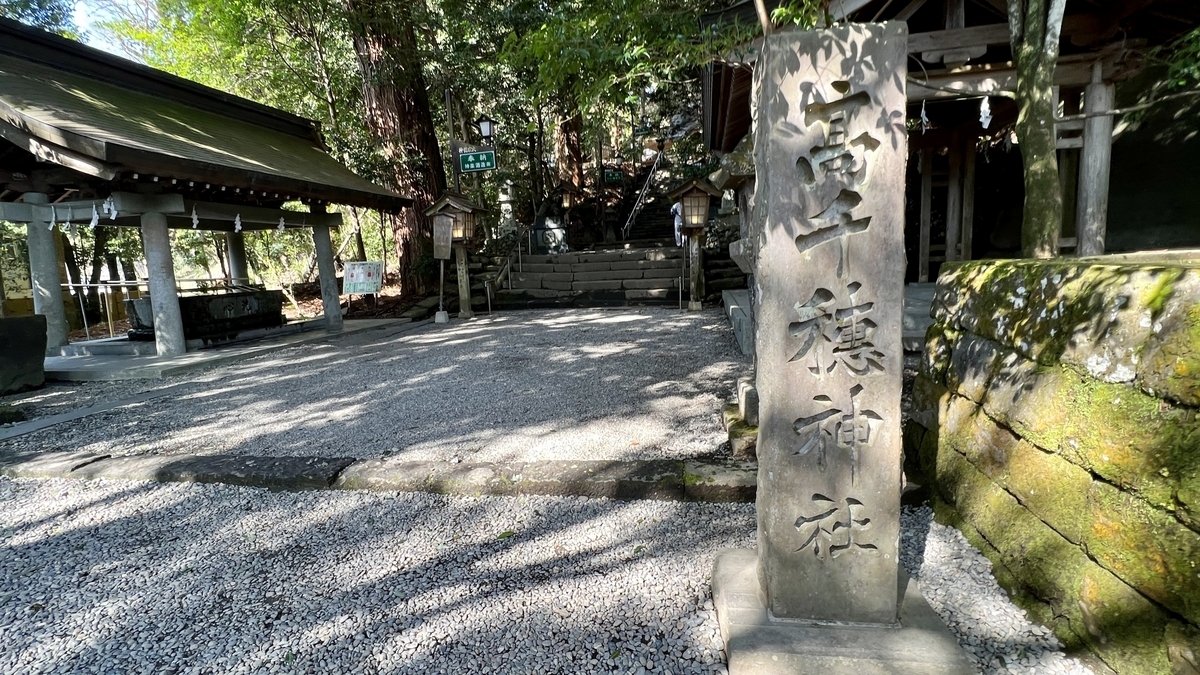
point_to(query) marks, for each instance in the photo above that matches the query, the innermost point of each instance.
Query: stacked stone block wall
(1055, 417)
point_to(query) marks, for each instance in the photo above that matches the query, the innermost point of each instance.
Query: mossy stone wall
(1055, 417)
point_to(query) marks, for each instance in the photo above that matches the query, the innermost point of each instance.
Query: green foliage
(1183, 61)
(803, 13)
(51, 15)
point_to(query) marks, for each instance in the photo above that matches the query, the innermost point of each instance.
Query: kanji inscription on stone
(830, 152)
(835, 527)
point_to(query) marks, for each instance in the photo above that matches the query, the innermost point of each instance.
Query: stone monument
(830, 153)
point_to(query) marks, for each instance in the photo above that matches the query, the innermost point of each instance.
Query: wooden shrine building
(87, 138)
(965, 187)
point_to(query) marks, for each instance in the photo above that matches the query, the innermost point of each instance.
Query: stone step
(610, 256)
(603, 297)
(726, 284)
(723, 272)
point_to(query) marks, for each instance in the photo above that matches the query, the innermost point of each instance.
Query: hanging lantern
(464, 225)
(694, 197)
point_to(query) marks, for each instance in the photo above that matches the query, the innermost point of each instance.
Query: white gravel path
(186, 578)
(117, 577)
(632, 383)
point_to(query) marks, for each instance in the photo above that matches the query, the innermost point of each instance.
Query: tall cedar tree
(398, 112)
(1036, 27)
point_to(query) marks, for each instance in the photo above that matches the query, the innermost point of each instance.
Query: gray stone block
(663, 273)
(653, 479)
(280, 473)
(578, 268)
(759, 644)
(664, 254)
(705, 481)
(558, 276)
(537, 267)
(647, 265)
(748, 400)
(596, 285)
(557, 285)
(23, 346)
(650, 294)
(610, 274)
(830, 265)
(651, 283)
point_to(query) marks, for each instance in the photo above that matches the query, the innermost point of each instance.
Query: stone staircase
(721, 274)
(605, 278)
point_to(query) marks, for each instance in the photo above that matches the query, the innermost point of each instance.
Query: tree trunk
(568, 151)
(1036, 26)
(359, 246)
(398, 112)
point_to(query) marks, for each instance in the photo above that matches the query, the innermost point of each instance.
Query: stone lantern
(694, 197)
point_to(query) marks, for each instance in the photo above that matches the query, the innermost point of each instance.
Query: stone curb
(669, 480)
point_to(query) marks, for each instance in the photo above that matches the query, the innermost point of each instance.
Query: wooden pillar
(46, 277)
(926, 213)
(331, 299)
(968, 201)
(464, 281)
(164, 291)
(954, 193)
(696, 270)
(1091, 224)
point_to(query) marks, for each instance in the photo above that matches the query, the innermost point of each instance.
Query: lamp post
(487, 127)
(694, 197)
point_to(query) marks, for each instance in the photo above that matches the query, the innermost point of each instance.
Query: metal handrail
(637, 205)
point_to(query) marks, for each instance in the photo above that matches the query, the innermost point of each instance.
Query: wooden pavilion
(960, 60)
(86, 136)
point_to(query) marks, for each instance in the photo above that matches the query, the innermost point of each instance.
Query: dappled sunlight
(563, 384)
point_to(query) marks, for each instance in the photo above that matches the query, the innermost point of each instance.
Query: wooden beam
(256, 215)
(1091, 224)
(49, 152)
(954, 191)
(994, 78)
(909, 9)
(968, 201)
(926, 213)
(984, 36)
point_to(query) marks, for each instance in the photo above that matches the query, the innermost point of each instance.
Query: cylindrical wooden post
(1091, 224)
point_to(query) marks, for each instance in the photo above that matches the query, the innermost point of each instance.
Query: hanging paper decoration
(924, 118)
(281, 224)
(195, 218)
(237, 223)
(53, 217)
(95, 218)
(985, 113)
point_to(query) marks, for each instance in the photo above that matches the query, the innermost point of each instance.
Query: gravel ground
(119, 577)
(634, 383)
(61, 397)
(187, 578)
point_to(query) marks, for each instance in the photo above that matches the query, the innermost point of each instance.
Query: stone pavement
(691, 480)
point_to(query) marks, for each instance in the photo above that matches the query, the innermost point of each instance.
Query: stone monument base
(757, 644)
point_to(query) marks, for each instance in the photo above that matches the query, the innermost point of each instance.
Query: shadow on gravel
(633, 383)
(220, 578)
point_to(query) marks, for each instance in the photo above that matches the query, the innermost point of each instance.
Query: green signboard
(477, 160)
(613, 176)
